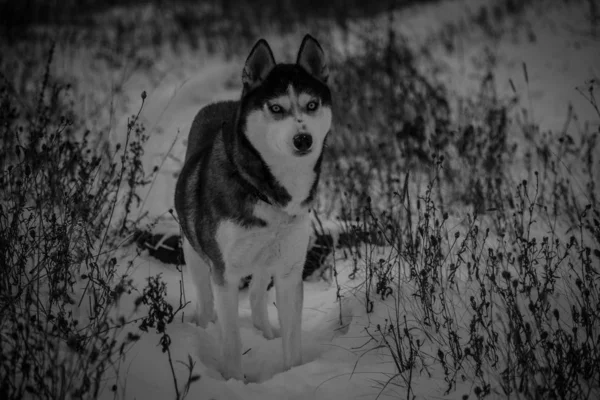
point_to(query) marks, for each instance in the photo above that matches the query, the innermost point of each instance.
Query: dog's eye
(276, 108)
(312, 105)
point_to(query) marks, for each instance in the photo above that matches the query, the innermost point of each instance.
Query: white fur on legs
(258, 303)
(290, 295)
(226, 301)
(199, 271)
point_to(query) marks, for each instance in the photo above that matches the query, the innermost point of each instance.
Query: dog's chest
(298, 181)
(245, 249)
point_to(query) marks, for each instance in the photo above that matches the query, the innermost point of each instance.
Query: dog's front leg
(290, 296)
(226, 302)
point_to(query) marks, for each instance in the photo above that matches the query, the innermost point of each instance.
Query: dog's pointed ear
(311, 57)
(258, 65)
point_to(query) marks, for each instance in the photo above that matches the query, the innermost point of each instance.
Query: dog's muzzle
(303, 142)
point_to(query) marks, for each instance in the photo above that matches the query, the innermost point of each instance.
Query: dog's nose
(303, 141)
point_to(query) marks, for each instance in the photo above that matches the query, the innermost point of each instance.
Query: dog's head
(286, 108)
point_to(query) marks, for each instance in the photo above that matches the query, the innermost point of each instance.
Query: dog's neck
(299, 177)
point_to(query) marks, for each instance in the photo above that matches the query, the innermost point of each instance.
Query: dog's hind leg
(226, 301)
(258, 303)
(199, 271)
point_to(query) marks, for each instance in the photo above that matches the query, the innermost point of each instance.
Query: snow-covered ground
(339, 360)
(331, 369)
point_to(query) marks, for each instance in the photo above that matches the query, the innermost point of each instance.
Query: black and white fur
(250, 174)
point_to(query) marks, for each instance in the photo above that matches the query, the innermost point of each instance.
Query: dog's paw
(272, 333)
(230, 372)
(269, 332)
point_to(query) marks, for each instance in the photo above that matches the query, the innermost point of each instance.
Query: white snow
(327, 352)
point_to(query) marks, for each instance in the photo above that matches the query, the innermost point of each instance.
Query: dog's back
(209, 121)
(192, 200)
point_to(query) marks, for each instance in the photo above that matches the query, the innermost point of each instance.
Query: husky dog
(243, 196)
